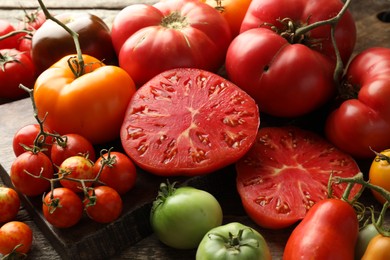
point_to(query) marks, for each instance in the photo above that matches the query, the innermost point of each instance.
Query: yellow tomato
(379, 173)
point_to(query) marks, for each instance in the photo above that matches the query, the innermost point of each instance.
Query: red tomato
(26, 136)
(103, 205)
(363, 121)
(25, 44)
(62, 207)
(286, 172)
(268, 13)
(32, 20)
(15, 235)
(15, 68)
(79, 168)
(119, 171)
(71, 145)
(188, 122)
(10, 42)
(37, 164)
(150, 39)
(329, 231)
(9, 204)
(233, 11)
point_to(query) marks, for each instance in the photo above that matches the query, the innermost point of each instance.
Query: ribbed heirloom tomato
(92, 105)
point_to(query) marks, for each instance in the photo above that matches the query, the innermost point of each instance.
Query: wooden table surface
(371, 32)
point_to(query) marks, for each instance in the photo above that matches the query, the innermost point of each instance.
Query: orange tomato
(379, 173)
(92, 105)
(378, 248)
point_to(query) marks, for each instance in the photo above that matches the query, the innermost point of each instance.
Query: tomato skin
(218, 125)
(36, 164)
(69, 211)
(108, 205)
(26, 136)
(361, 123)
(121, 174)
(74, 144)
(265, 13)
(329, 231)
(16, 68)
(217, 244)
(10, 42)
(167, 35)
(94, 38)
(379, 174)
(14, 233)
(76, 167)
(378, 248)
(184, 217)
(259, 61)
(9, 204)
(70, 103)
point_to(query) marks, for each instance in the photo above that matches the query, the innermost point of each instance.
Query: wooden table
(371, 32)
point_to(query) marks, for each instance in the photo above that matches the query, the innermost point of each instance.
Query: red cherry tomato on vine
(103, 205)
(36, 164)
(9, 42)
(62, 208)
(15, 239)
(9, 204)
(119, 171)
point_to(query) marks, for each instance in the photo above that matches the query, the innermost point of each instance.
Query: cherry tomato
(32, 20)
(15, 239)
(103, 204)
(218, 123)
(37, 164)
(9, 204)
(329, 231)
(94, 38)
(70, 145)
(15, 68)
(119, 171)
(286, 172)
(378, 248)
(26, 136)
(62, 207)
(379, 173)
(79, 168)
(9, 42)
(84, 105)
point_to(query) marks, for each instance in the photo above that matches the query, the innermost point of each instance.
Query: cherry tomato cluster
(65, 170)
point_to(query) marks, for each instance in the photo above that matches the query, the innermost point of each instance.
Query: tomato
(94, 38)
(379, 173)
(286, 172)
(15, 239)
(329, 231)
(70, 145)
(79, 168)
(62, 208)
(9, 42)
(233, 241)
(363, 121)
(25, 137)
(15, 68)
(119, 171)
(103, 204)
(366, 234)
(84, 105)
(233, 11)
(218, 123)
(25, 44)
(378, 248)
(37, 164)
(32, 20)
(180, 217)
(150, 39)
(9, 204)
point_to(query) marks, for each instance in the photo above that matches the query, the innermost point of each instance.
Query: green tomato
(365, 235)
(233, 241)
(180, 217)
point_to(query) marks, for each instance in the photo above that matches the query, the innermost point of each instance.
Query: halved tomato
(188, 122)
(286, 172)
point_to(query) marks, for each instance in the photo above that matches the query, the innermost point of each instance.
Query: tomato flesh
(286, 172)
(188, 122)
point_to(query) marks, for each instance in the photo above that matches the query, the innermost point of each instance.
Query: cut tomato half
(286, 172)
(188, 122)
